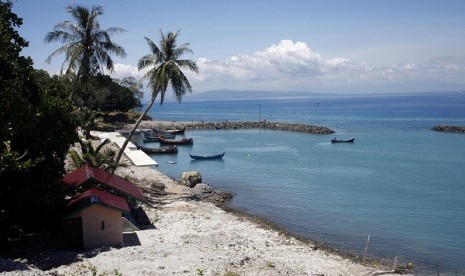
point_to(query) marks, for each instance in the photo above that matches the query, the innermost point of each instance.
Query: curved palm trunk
(136, 125)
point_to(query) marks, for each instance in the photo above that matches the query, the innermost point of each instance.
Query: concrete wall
(101, 226)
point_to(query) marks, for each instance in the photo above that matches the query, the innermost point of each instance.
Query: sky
(327, 46)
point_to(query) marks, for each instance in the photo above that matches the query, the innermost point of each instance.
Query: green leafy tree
(105, 94)
(37, 127)
(135, 87)
(165, 65)
(87, 47)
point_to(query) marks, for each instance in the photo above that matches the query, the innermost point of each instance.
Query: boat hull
(206, 157)
(185, 141)
(342, 140)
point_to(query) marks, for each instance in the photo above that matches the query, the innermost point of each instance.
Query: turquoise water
(400, 182)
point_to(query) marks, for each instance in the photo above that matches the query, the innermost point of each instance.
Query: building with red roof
(94, 217)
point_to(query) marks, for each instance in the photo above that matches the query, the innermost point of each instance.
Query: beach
(192, 237)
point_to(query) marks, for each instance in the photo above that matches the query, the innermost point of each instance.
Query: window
(103, 225)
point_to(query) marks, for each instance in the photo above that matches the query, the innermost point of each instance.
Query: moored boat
(161, 150)
(153, 137)
(336, 140)
(184, 141)
(171, 131)
(164, 134)
(206, 157)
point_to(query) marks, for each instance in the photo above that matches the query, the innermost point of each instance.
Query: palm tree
(87, 47)
(87, 118)
(94, 156)
(166, 65)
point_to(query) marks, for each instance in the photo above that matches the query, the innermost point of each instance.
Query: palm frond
(87, 48)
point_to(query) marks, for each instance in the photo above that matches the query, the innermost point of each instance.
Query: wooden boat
(171, 131)
(184, 141)
(161, 150)
(153, 137)
(164, 134)
(176, 131)
(206, 157)
(336, 140)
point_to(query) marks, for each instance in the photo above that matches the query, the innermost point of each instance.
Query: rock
(158, 186)
(190, 179)
(203, 191)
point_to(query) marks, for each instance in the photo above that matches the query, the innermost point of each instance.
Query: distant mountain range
(231, 95)
(237, 95)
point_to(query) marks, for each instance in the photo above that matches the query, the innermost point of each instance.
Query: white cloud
(124, 70)
(291, 65)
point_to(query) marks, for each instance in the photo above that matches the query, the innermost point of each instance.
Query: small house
(94, 216)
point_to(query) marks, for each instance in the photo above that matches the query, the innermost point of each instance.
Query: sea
(396, 194)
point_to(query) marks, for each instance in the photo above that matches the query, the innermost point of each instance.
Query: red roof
(86, 173)
(94, 196)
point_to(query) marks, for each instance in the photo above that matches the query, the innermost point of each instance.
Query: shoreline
(373, 266)
(193, 236)
(372, 262)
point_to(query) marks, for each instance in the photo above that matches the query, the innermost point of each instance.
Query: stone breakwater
(446, 128)
(165, 125)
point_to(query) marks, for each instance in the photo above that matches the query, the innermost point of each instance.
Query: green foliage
(87, 47)
(99, 156)
(94, 271)
(37, 127)
(102, 93)
(87, 121)
(11, 160)
(270, 265)
(166, 66)
(199, 272)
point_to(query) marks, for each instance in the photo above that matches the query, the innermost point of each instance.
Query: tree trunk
(136, 125)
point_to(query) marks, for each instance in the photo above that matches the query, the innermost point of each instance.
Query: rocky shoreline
(192, 236)
(447, 128)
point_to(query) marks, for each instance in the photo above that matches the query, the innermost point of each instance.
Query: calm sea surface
(400, 182)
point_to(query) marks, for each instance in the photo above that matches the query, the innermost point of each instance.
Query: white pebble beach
(192, 237)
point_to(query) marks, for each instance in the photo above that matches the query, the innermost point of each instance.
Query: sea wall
(165, 125)
(446, 128)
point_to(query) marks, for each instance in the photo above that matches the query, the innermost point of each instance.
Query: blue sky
(313, 46)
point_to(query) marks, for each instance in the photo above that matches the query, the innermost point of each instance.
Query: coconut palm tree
(165, 69)
(87, 47)
(98, 156)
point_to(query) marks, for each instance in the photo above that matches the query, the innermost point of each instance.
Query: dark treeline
(39, 116)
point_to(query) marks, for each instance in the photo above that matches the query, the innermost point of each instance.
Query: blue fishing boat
(207, 157)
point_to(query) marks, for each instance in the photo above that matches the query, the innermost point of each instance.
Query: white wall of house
(101, 226)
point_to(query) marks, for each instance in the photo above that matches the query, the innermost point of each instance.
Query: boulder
(157, 186)
(203, 191)
(190, 179)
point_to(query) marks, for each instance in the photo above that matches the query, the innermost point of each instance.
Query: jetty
(447, 128)
(195, 125)
(136, 156)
